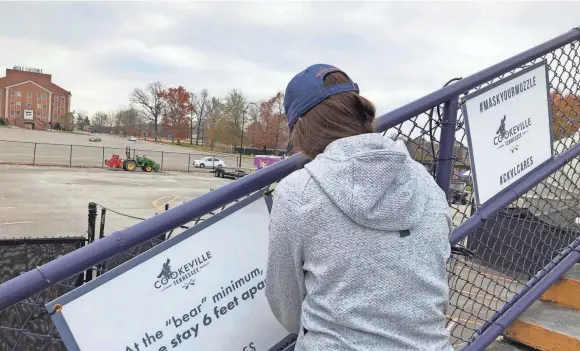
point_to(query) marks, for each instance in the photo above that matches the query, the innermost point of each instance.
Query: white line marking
(6, 207)
(11, 223)
(451, 324)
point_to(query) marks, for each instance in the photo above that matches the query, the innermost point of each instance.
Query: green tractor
(143, 162)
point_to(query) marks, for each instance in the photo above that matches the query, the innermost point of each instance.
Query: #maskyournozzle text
(185, 327)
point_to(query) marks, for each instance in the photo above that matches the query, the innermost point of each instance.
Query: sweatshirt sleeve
(285, 288)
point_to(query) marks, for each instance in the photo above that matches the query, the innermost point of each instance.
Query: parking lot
(22, 146)
(53, 201)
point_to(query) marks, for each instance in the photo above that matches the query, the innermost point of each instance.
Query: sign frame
(24, 116)
(54, 307)
(550, 116)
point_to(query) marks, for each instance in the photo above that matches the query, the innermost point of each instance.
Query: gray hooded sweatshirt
(359, 241)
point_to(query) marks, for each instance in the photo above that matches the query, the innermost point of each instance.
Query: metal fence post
(167, 235)
(101, 266)
(446, 148)
(70, 157)
(102, 226)
(161, 160)
(103, 160)
(34, 154)
(188, 161)
(91, 234)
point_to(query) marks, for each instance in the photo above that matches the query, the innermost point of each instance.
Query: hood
(373, 180)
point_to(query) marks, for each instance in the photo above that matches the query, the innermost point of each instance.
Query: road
(24, 146)
(53, 201)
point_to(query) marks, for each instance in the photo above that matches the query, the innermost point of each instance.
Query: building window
(38, 106)
(12, 103)
(12, 112)
(62, 98)
(29, 95)
(44, 96)
(29, 106)
(18, 104)
(38, 96)
(18, 93)
(17, 113)
(56, 99)
(13, 92)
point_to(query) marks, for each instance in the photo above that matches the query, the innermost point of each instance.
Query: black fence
(26, 326)
(67, 155)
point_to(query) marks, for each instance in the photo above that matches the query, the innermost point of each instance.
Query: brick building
(29, 99)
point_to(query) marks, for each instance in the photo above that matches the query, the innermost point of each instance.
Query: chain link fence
(517, 243)
(66, 155)
(26, 326)
(488, 269)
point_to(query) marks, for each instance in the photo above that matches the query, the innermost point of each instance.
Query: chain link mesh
(508, 250)
(25, 326)
(89, 156)
(517, 243)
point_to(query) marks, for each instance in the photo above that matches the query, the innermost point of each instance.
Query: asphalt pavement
(53, 201)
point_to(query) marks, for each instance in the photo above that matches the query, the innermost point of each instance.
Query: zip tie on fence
(44, 276)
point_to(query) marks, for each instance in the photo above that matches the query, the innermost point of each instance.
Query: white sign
(28, 114)
(509, 130)
(204, 292)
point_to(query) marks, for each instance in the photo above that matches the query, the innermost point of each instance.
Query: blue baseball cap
(307, 90)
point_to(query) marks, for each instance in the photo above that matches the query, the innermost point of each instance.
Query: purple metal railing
(35, 281)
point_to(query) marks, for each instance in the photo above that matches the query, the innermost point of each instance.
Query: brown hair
(341, 115)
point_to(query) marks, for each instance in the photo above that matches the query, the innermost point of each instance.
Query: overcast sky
(397, 52)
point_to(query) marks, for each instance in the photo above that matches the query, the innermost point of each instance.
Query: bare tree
(235, 104)
(149, 102)
(100, 119)
(118, 120)
(213, 117)
(201, 108)
(254, 113)
(129, 119)
(279, 117)
(110, 119)
(82, 119)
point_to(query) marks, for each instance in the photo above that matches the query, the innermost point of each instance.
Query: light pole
(242, 138)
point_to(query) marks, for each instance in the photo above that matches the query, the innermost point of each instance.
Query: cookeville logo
(184, 275)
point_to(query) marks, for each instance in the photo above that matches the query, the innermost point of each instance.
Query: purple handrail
(35, 281)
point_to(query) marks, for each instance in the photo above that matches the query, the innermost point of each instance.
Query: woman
(360, 237)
